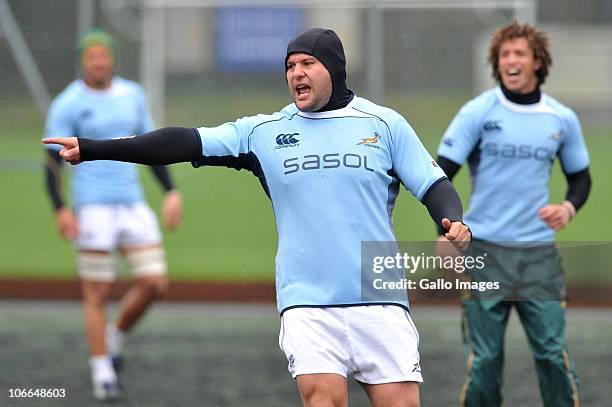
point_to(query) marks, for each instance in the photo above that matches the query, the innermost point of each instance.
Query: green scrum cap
(96, 36)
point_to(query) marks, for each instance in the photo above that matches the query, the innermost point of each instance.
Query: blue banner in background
(255, 38)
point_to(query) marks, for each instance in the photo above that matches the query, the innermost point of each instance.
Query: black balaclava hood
(325, 45)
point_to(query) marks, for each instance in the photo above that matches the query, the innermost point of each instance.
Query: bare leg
(95, 296)
(138, 299)
(323, 390)
(400, 394)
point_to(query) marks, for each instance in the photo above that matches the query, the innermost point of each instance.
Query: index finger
(64, 141)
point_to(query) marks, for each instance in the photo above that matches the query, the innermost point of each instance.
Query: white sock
(115, 339)
(102, 369)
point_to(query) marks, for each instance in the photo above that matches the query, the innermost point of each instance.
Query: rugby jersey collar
(117, 88)
(329, 114)
(539, 107)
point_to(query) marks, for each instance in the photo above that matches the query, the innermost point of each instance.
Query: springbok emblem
(370, 140)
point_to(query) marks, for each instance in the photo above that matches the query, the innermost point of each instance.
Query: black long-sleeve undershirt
(449, 167)
(442, 201)
(578, 187)
(164, 146)
(53, 165)
(162, 174)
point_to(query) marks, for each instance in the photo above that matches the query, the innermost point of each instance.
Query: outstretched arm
(168, 145)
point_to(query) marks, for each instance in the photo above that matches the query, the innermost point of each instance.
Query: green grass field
(229, 231)
(228, 355)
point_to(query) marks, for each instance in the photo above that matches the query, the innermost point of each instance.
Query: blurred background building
(394, 48)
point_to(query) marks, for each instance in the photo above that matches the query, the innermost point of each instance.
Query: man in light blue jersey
(331, 164)
(108, 208)
(510, 136)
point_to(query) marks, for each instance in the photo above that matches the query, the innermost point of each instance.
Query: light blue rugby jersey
(333, 178)
(120, 111)
(510, 149)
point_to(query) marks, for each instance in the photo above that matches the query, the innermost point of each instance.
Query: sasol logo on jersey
(522, 151)
(333, 160)
(492, 125)
(287, 140)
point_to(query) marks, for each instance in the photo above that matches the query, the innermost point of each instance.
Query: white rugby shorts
(106, 227)
(373, 343)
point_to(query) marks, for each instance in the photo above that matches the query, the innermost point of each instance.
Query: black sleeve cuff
(442, 201)
(449, 167)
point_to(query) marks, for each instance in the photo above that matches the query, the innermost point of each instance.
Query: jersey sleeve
(59, 122)
(573, 152)
(228, 139)
(412, 163)
(229, 146)
(461, 136)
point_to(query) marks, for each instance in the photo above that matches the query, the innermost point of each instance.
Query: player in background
(332, 164)
(108, 210)
(510, 137)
